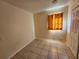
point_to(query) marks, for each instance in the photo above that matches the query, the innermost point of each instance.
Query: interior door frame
(78, 47)
(77, 56)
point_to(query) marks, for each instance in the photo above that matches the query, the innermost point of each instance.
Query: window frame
(51, 25)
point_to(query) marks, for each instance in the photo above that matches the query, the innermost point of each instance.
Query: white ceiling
(36, 5)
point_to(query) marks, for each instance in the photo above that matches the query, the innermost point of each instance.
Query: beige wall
(72, 37)
(16, 29)
(41, 29)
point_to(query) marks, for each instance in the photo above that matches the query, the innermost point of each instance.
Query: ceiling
(36, 5)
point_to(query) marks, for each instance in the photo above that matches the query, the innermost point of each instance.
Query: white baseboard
(19, 49)
(71, 50)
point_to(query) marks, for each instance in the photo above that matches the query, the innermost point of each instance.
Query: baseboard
(19, 49)
(73, 52)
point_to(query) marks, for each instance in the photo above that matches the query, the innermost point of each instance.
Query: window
(55, 21)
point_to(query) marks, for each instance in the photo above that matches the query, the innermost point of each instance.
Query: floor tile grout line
(57, 52)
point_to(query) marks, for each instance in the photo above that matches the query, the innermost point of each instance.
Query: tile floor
(44, 49)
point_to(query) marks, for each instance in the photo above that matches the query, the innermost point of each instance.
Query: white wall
(41, 28)
(16, 29)
(72, 37)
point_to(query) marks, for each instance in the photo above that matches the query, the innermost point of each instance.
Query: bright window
(55, 21)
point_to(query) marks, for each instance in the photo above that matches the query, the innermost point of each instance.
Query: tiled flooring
(44, 49)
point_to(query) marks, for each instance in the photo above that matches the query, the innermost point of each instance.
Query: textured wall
(16, 29)
(72, 37)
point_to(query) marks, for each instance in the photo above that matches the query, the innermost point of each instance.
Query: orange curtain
(50, 22)
(55, 21)
(61, 21)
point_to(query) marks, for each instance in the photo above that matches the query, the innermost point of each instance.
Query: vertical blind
(55, 21)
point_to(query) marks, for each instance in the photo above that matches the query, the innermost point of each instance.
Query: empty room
(39, 29)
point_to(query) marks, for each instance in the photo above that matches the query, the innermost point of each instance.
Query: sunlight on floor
(53, 41)
(51, 31)
(44, 49)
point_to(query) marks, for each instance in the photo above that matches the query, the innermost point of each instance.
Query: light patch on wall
(55, 12)
(69, 22)
(54, 8)
(57, 7)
